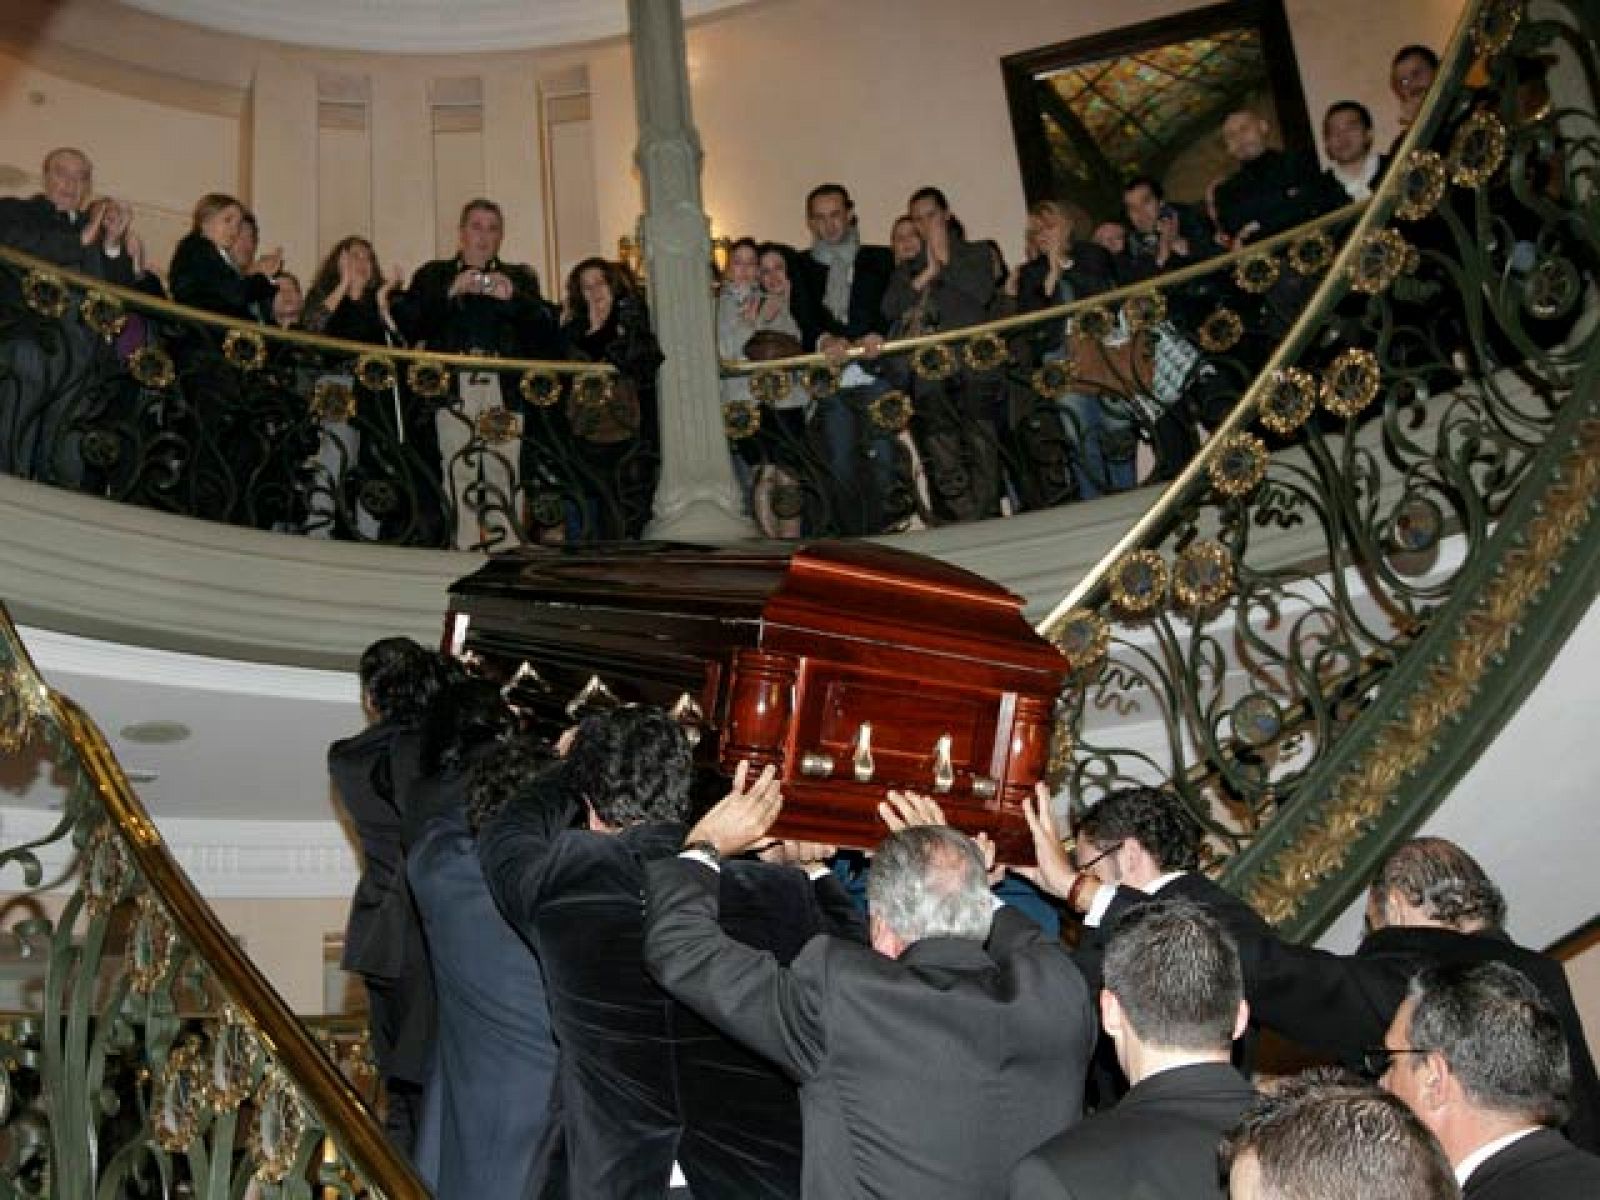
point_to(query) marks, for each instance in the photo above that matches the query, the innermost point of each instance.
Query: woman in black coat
(204, 274)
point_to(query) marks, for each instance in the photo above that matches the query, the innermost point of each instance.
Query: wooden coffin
(853, 667)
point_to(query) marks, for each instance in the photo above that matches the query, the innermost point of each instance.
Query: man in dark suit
(383, 942)
(1479, 1055)
(928, 1063)
(1430, 903)
(641, 1080)
(477, 303)
(59, 224)
(1270, 190)
(1173, 1003)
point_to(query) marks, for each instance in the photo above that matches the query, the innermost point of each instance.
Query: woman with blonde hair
(204, 273)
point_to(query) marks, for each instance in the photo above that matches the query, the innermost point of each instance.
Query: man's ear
(884, 940)
(1242, 1021)
(1112, 1019)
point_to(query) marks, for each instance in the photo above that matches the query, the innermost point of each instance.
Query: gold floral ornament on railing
(1496, 25)
(498, 425)
(1422, 185)
(1289, 402)
(376, 372)
(741, 419)
(771, 387)
(986, 352)
(178, 1099)
(541, 389)
(428, 380)
(23, 704)
(1202, 576)
(1257, 275)
(821, 380)
(279, 1127)
(1477, 150)
(1083, 636)
(1239, 465)
(934, 363)
(1095, 323)
(103, 314)
(1351, 383)
(1220, 332)
(245, 349)
(1138, 583)
(891, 411)
(332, 400)
(1144, 311)
(1311, 255)
(46, 294)
(150, 942)
(153, 368)
(1380, 259)
(1053, 380)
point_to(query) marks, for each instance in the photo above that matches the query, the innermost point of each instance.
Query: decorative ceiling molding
(416, 26)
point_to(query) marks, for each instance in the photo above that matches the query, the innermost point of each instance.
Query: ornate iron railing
(170, 1061)
(1025, 412)
(112, 391)
(1353, 583)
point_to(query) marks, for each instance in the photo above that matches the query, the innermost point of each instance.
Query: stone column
(697, 498)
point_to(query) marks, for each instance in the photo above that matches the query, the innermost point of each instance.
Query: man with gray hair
(1430, 903)
(929, 1062)
(1478, 1054)
(1173, 1004)
(1319, 1138)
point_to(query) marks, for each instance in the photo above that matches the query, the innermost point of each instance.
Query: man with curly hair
(643, 1082)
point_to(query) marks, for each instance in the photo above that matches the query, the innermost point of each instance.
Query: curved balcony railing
(1427, 429)
(1025, 412)
(114, 392)
(171, 1063)
(1428, 425)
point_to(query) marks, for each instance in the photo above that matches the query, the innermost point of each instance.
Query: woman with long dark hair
(617, 438)
(376, 475)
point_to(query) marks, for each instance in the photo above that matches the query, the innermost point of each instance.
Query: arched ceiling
(415, 26)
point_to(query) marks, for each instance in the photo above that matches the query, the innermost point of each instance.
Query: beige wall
(882, 94)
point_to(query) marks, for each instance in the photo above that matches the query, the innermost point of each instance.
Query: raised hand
(902, 810)
(741, 818)
(1054, 873)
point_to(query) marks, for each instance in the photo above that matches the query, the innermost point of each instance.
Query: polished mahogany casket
(853, 667)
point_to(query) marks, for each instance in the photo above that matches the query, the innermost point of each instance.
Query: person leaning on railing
(393, 438)
(476, 303)
(235, 470)
(1063, 269)
(949, 285)
(38, 439)
(607, 322)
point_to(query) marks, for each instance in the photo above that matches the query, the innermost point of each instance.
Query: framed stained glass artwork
(1150, 99)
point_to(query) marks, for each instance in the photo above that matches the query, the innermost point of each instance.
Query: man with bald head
(46, 390)
(61, 225)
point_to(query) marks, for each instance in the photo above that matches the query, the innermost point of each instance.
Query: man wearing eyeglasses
(1136, 843)
(1479, 1055)
(1430, 903)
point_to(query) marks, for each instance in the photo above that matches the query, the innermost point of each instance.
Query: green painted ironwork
(157, 1055)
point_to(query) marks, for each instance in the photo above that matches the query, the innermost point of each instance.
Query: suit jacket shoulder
(1541, 1166)
(1159, 1142)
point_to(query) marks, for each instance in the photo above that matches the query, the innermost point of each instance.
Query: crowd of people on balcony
(975, 440)
(578, 989)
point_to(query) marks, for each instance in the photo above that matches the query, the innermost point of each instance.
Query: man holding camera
(476, 304)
